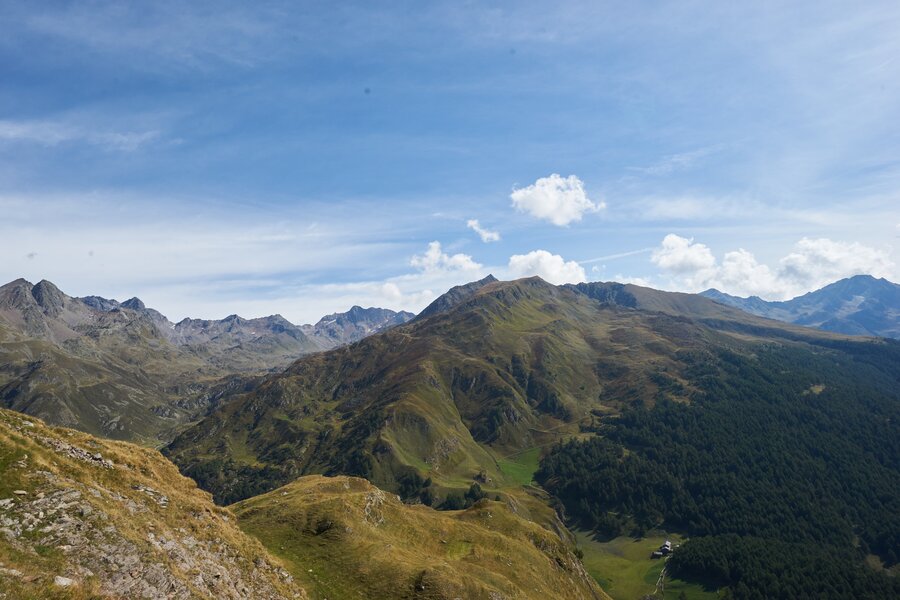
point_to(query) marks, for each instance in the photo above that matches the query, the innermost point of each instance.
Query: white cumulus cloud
(684, 257)
(741, 272)
(559, 200)
(552, 268)
(641, 281)
(812, 264)
(486, 235)
(816, 262)
(435, 259)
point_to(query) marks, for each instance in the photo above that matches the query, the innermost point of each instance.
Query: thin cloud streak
(49, 133)
(615, 256)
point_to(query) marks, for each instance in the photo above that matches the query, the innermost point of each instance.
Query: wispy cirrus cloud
(615, 256)
(676, 162)
(54, 133)
(164, 34)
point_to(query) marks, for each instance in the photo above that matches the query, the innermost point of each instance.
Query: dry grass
(344, 538)
(115, 514)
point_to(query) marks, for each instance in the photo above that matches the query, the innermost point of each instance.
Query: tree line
(784, 465)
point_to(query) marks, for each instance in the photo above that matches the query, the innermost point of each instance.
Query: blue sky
(299, 158)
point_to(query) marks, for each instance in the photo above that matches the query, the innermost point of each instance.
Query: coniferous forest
(784, 470)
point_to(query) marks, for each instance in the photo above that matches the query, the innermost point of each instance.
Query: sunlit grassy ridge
(344, 538)
(434, 403)
(116, 520)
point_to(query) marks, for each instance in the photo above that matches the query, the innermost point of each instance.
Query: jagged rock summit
(345, 328)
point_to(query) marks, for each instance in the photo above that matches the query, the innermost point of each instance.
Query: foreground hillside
(500, 368)
(344, 538)
(82, 517)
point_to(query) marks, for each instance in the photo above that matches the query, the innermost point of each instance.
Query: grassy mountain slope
(120, 385)
(506, 367)
(114, 519)
(344, 538)
(122, 370)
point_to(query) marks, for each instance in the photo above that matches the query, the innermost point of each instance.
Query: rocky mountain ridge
(123, 370)
(83, 517)
(357, 323)
(859, 305)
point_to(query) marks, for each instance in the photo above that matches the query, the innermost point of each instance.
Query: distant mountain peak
(16, 294)
(134, 304)
(49, 297)
(864, 277)
(355, 324)
(99, 303)
(857, 305)
(21, 281)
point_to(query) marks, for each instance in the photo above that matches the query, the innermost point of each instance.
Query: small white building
(664, 550)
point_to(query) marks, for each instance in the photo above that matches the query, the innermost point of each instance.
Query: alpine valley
(516, 439)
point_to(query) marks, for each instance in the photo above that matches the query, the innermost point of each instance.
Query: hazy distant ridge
(860, 305)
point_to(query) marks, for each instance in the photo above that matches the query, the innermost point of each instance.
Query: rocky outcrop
(127, 526)
(49, 298)
(357, 323)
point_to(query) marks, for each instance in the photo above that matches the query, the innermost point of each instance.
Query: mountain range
(501, 367)
(859, 305)
(478, 391)
(522, 411)
(123, 370)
